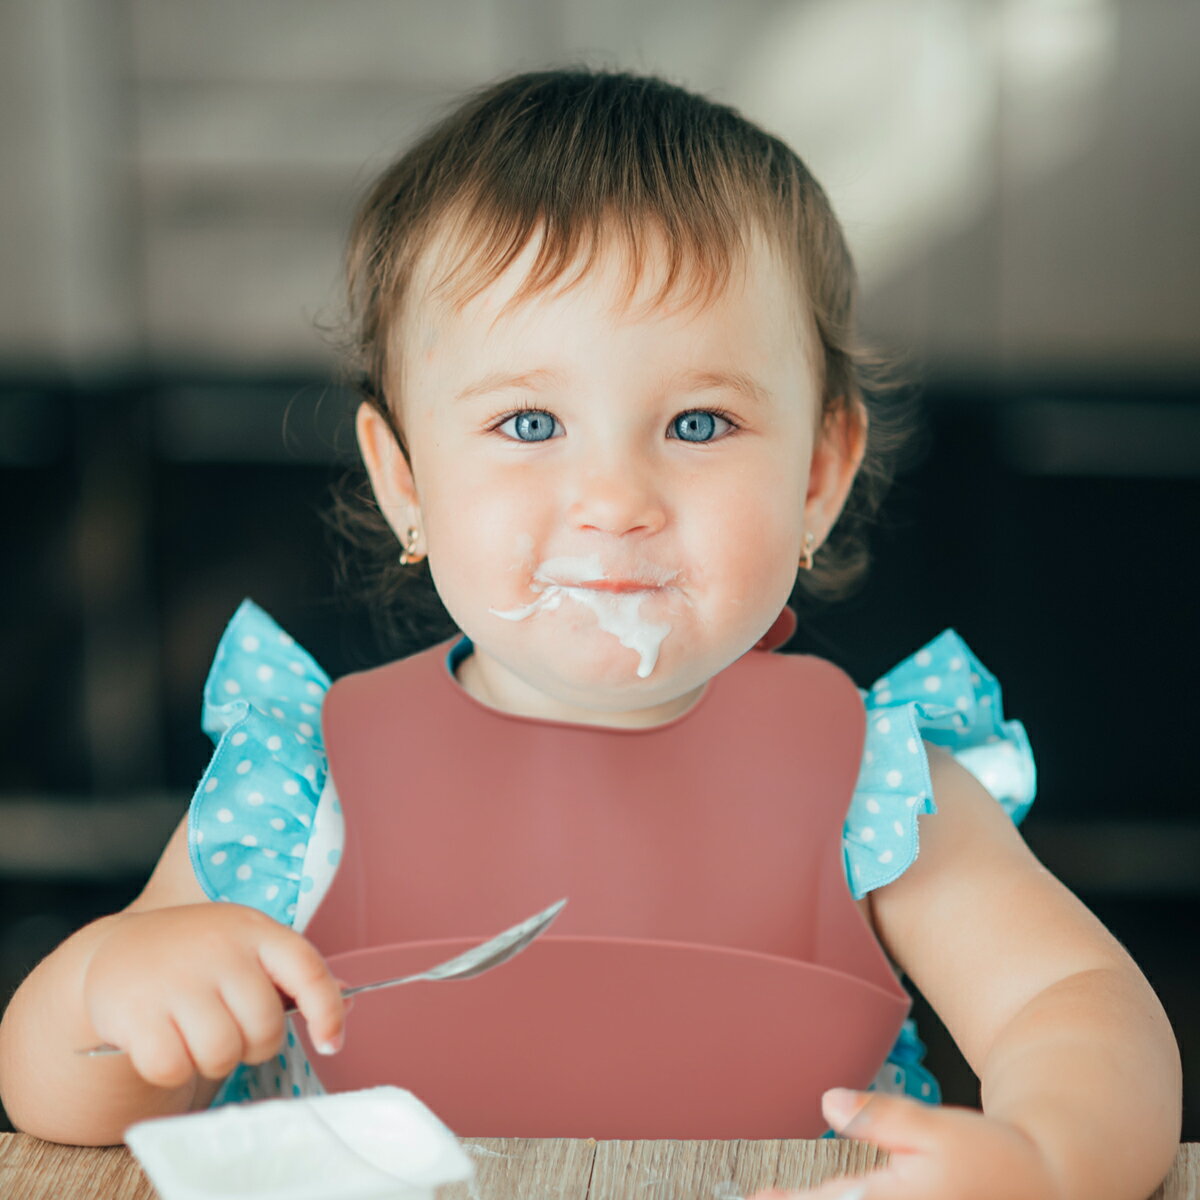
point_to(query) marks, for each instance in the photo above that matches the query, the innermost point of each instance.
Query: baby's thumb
(890, 1122)
(347, 1002)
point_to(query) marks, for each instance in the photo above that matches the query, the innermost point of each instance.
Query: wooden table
(532, 1169)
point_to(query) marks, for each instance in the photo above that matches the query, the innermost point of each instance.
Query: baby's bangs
(695, 253)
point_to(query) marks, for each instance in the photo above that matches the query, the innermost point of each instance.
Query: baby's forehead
(632, 279)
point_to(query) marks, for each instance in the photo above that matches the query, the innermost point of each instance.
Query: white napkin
(365, 1145)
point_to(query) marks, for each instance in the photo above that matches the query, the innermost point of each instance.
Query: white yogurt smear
(618, 613)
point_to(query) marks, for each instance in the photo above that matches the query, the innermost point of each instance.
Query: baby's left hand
(937, 1152)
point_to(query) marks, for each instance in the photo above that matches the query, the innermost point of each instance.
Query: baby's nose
(621, 499)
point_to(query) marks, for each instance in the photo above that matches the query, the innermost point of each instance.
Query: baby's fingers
(159, 1054)
(258, 1010)
(299, 971)
(211, 1033)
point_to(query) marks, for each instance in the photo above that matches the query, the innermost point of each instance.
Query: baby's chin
(590, 669)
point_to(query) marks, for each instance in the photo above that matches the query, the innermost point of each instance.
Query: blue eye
(531, 425)
(699, 425)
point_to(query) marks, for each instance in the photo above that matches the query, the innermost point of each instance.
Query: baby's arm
(186, 985)
(1070, 1042)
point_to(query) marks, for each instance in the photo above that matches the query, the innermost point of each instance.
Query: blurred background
(1019, 180)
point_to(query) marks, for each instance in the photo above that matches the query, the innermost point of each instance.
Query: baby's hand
(193, 988)
(936, 1152)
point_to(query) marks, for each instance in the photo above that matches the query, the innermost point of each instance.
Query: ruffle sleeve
(250, 825)
(941, 694)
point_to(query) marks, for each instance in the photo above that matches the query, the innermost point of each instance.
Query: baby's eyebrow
(734, 381)
(695, 380)
(496, 381)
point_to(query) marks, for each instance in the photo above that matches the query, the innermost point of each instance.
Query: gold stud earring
(409, 554)
(806, 561)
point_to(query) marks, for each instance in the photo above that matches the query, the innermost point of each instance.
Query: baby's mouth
(614, 585)
(588, 574)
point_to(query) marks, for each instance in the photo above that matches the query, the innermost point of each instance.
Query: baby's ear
(387, 468)
(837, 455)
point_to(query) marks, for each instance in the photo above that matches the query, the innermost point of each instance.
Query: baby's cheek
(763, 562)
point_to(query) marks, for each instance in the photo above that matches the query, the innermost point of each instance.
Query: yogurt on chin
(618, 613)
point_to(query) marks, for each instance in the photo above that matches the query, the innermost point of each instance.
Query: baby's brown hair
(582, 157)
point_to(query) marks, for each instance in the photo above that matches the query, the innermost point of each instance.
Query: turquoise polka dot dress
(265, 827)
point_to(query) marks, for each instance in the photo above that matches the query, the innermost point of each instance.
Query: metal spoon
(471, 962)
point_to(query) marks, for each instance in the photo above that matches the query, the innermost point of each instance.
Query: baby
(613, 403)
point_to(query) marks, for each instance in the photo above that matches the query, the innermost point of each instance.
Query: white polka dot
(238, 739)
(255, 798)
(273, 891)
(956, 663)
(199, 836)
(296, 668)
(269, 853)
(310, 773)
(211, 784)
(225, 815)
(869, 756)
(277, 713)
(913, 801)
(291, 910)
(303, 819)
(913, 746)
(312, 689)
(975, 680)
(274, 742)
(243, 872)
(232, 686)
(899, 828)
(991, 780)
(933, 683)
(883, 725)
(291, 787)
(298, 850)
(277, 822)
(264, 673)
(250, 644)
(872, 805)
(879, 684)
(895, 778)
(307, 708)
(867, 833)
(305, 728)
(962, 703)
(243, 768)
(218, 858)
(924, 658)
(925, 1089)
(985, 700)
(886, 857)
(249, 840)
(286, 639)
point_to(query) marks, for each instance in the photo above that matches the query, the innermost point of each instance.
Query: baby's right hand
(193, 988)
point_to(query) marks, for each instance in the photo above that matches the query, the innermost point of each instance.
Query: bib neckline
(463, 647)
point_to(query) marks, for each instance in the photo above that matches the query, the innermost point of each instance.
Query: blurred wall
(1018, 177)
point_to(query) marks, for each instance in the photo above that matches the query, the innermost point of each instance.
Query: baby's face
(616, 544)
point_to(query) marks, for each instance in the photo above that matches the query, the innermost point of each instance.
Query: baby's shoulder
(253, 816)
(935, 715)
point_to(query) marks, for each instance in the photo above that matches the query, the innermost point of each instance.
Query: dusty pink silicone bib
(710, 975)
